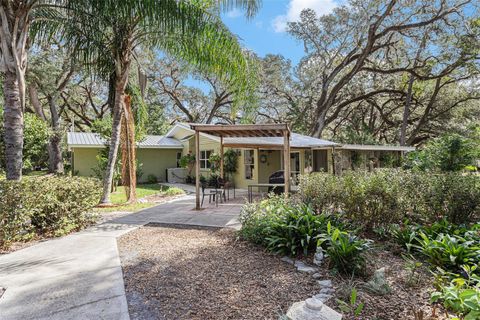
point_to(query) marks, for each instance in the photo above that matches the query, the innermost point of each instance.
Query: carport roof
(296, 141)
(258, 136)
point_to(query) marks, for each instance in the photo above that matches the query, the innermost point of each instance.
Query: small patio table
(261, 185)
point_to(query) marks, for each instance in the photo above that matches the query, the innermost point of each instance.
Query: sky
(266, 33)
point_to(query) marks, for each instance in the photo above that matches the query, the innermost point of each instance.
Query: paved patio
(79, 276)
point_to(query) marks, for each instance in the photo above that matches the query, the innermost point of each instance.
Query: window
(204, 155)
(249, 161)
(179, 155)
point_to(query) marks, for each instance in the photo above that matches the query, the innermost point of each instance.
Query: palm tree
(21, 22)
(106, 34)
(16, 17)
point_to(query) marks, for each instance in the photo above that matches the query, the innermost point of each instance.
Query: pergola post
(197, 170)
(333, 160)
(221, 158)
(286, 161)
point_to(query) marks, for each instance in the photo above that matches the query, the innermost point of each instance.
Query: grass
(26, 174)
(143, 190)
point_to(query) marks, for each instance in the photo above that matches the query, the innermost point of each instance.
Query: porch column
(286, 161)
(197, 170)
(333, 161)
(221, 157)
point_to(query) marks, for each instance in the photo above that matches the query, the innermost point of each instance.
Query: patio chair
(223, 185)
(212, 193)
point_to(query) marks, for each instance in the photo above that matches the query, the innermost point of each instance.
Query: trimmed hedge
(391, 195)
(49, 205)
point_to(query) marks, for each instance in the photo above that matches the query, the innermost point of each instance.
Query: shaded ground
(178, 273)
(410, 292)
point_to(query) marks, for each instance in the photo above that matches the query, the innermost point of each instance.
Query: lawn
(143, 190)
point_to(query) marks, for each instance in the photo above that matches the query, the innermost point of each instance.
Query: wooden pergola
(241, 131)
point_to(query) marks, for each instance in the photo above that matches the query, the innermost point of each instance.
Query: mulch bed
(178, 273)
(406, 298)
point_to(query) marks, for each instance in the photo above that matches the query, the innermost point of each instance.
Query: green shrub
(449, 251)
(344, 250)
(151, 178)
(15, 222)
(45, 205)
(256, 218)
(323, 191)
(173, 191)
(450, 152)
(390, 195)
(461, 295)
(371, 199)
(295, 229)
(405, 235)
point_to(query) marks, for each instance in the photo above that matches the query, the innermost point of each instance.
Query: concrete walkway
(79, 276)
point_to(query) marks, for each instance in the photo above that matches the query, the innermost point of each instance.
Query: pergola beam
(240, 131)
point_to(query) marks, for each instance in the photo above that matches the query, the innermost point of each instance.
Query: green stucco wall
(84, 159)
(273, 163)
(154, 161)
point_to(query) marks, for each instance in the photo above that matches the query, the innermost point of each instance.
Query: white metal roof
(296, 141)
(374, 147)
(88, 140)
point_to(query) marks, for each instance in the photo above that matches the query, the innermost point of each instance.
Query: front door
(294, 166)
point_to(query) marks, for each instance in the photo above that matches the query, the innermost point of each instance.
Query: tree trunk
(319, 125)
(13, 126)
(406, 111)
(55, 158)
(120, 85)
(408, 100)
(127, 142)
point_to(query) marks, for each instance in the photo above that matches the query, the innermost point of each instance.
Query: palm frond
(102, 31)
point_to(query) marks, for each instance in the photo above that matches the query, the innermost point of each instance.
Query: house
(259, 157)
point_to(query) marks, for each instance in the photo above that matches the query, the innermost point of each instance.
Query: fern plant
(295, 230)
(344, 250)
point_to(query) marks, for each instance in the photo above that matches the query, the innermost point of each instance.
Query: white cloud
(294, 9)
(235, 13)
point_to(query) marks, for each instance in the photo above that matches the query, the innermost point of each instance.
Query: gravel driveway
(180, 273)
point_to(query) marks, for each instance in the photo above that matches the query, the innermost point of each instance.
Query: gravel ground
(178, 273)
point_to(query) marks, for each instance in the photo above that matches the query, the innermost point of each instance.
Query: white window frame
(204, 162)
(250, 165)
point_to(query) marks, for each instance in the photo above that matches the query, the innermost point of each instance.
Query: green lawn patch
(143, 190)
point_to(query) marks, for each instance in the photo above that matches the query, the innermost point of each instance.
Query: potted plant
(214, 160)
(230, 161)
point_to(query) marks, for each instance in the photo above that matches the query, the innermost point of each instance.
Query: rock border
(313, 308)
